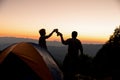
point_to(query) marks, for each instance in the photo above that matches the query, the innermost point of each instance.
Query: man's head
(42, 32)
(74, 34)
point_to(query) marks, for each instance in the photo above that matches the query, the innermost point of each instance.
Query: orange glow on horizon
(94, 20)
(93, 40)
(54, 37)
(23, 33)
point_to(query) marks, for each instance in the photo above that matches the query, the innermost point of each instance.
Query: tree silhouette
(107, 59)
(115, 38)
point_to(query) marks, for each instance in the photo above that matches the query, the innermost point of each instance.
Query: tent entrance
(16, 69)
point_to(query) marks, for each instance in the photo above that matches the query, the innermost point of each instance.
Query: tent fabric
(14, 68)
(38, 59)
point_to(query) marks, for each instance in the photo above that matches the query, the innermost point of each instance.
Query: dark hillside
(107, 59)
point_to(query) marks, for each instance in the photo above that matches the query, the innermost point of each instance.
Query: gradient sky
(94, 20)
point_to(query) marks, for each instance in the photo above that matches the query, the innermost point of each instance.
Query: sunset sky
(94, 20)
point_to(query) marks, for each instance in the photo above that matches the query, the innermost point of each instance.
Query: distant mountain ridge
(54, 47)
(15, 40)
(12, 40)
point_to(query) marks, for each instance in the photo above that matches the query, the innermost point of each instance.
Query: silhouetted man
(43, 37)
(71, 59)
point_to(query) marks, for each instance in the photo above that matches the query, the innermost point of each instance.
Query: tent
(28, 61)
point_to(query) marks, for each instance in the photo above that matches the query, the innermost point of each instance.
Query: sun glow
(93, 20)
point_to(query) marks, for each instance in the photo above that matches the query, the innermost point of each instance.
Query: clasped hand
(57, 32)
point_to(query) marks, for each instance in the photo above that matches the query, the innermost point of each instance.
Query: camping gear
(28, 61)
